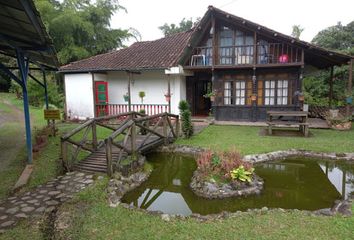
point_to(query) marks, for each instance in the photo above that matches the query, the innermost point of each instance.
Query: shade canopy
(21, 27)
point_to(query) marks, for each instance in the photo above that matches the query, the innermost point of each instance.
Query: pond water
(294, 183)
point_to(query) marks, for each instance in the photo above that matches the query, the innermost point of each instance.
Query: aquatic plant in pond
(294, 183)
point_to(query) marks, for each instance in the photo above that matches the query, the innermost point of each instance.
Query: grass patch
(99, 221)
(247, 140)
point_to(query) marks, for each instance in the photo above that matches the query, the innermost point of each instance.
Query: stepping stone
(53, 193)
(21, 215)
(27, 209)
(7, 224)
(26, 198)
(24, 205)
(80, 174)
(64, 181)
(40, 210)
(50, 209)
(89, 181)
(60, 187)
(2, 208)
(89, 176)
(46, 199)
(3, 217)
(12, 210)
(33, 201)
(43, 191)
(39, 196)
(11, 198)
(52, 203)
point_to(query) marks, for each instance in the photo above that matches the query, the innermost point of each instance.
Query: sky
(279, 15)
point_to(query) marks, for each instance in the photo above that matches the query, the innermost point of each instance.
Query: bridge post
(64, 153)
(177, 127)
(165, 128)
(108, 143)
(94, 135)
(133, 138)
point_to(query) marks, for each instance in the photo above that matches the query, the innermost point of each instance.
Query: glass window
(276, 92)
(282, 92)
(240, 89)
(228, 93)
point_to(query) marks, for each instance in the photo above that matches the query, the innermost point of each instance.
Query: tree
(81, 28)
(297, 30)
(316, 87)
(184, 25)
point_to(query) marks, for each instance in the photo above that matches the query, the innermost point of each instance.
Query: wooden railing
(84, 140)
(141, 134)
(113, 109)
(270, 53)
(126, 134)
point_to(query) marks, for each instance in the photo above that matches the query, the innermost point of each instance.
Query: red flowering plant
(221, 164)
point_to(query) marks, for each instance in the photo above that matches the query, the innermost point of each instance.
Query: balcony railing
(271, 53)
(113, 109)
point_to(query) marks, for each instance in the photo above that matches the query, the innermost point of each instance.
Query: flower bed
(224, 174)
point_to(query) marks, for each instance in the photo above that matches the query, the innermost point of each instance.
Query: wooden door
(101, 98)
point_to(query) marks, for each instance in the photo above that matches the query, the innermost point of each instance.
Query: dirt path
(12, 134)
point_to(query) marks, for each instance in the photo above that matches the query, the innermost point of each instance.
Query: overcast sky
(280, 15)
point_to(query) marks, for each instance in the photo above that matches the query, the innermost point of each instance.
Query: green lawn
(93, 219)
(248, 141)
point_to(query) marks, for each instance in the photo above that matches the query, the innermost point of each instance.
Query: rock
(33, 201)
(21, 215)
(12, 210)
(264, 209)
(52, 203)
(3, 217)
(209, 187)
(165, 217)
(53, 193)
(7, 224)
(40, 209)
(27, 209)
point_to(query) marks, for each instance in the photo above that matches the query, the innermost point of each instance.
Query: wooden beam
(350, 88)
(330, 95)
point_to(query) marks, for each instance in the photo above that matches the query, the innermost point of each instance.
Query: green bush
(36, 93)
(183, 106)
(187, 126)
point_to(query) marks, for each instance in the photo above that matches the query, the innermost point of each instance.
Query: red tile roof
(158, 54)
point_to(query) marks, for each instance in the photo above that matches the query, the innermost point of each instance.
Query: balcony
(271, 53)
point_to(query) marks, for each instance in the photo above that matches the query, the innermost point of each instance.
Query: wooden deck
(132, 133)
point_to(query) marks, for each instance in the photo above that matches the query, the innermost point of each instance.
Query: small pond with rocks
(293, 183)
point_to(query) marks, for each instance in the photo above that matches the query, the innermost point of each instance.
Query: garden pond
(294, 183)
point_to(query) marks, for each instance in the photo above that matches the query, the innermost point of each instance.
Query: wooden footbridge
(100, 144)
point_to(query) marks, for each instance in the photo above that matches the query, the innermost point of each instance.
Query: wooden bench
(303, 127)
(300, 120)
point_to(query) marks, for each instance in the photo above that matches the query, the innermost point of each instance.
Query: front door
(202, 105)
(101, 98)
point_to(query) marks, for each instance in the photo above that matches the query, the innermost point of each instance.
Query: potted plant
(168, 97)
(301, 97)
(210, 95)
(142, 95)
(126, 97)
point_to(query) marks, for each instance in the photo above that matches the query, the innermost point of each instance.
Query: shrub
(187, 126)
(183, 106)
(224, 164)
(186, 118)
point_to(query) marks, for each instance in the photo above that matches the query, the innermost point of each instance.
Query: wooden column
(64, 153)
(169, 92)
(129, 93)
(108, 142)
(330, 95)
(350, 88)
(214, 47)
(94, 136)
(165, 129)
(133, 138)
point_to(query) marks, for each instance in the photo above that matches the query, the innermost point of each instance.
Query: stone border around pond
(119, 185)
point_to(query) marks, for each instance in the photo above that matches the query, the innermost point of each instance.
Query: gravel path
(12, 137)
(43, 199)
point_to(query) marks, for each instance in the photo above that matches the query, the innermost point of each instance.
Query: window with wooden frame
(243, 48)
(269, 92)
(276, 92)
(240, 92)
(282, 92)
(228, 93)
(226, 51)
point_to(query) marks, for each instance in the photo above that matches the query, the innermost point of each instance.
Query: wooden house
(249, 68)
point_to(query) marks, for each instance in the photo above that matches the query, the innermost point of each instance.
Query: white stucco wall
(80, 98)
(153, 83)
(79, 95)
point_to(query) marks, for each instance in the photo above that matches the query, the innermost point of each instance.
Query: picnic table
(281, 118)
